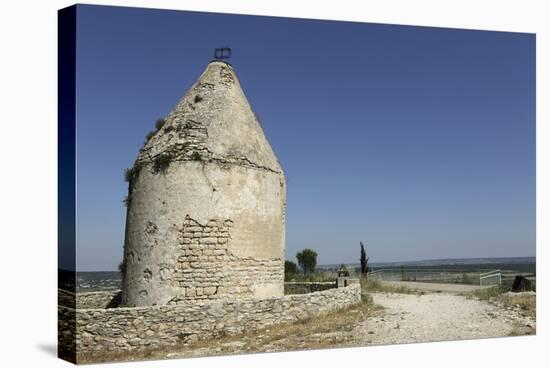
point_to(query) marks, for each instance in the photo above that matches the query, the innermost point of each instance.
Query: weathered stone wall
(111, 299)
(307, 287)
(131, 329)
(66, 330)
(66, 298)
(89, 300)
(206, 268)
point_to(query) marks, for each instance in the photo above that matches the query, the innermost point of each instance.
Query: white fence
(490, 278)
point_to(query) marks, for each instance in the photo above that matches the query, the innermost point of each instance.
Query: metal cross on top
(222, 53)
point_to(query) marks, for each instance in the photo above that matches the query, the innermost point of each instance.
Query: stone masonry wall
(66, 298)
(307, 287)
(111, 299)
(89, 300)
(132, 329)
(206, 268)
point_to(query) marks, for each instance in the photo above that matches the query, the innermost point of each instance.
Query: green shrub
(130, 174)
(324, 276)
(291, 269)
(159, 124)
(149, 135)
(161, 163)
(122, 267)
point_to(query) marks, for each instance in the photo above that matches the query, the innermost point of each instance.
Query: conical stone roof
(212, 122)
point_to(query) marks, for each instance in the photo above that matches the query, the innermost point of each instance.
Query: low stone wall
(89, 300)
(132, 329)
(112, 299)
(307, 287)
(66, 298)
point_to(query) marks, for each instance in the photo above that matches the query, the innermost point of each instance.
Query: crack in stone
(194, 148)
(209, 157)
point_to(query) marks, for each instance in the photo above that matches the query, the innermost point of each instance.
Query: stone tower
(206, 202)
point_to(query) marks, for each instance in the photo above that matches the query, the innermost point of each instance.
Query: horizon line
(352, 263)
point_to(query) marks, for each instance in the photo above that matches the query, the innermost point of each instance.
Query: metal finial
(222, 53)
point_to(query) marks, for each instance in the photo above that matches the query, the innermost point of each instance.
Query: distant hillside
(446, 262)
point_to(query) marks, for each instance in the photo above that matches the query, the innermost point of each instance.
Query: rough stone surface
(206, 267)
(206, 203)
(132, 329)
(307, 287)
(87, 300)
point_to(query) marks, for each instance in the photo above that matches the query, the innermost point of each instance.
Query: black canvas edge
(66, 161)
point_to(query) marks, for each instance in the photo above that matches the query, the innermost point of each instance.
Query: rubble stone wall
(138, 328)
(89, 300)
(307, 287)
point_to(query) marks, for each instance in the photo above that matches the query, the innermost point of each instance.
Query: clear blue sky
(419, 141)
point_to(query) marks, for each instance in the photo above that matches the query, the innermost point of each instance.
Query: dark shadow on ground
(50, 349)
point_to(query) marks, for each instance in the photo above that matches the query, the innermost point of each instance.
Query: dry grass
(322, 276)
(370, 286)
(527, 302)
(324, 331)
(343, 320)
(488, 293)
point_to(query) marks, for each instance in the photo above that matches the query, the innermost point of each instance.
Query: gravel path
(412, 318)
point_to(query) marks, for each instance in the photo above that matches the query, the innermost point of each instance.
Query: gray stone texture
(307, 287)
(133, 329)
(88, 300)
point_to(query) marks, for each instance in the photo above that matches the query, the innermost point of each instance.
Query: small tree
(364, 260)
(307, 259)
(291, 268)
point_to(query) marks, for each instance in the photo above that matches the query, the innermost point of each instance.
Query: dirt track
(438, 317)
